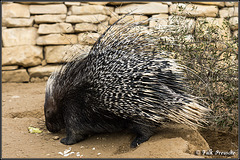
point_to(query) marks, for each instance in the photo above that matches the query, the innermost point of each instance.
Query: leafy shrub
(210, 54)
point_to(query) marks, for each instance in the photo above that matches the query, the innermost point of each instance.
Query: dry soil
(22, 106)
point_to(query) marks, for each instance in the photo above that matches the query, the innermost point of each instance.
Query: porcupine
(123, 83)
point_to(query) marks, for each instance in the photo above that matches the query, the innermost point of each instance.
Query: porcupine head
(53, 114)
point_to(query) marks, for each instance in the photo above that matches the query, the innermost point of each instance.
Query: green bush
(210, 56)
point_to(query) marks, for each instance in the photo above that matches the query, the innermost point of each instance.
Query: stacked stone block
(38, 36)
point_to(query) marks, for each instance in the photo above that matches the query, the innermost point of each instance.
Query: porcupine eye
(48, 113)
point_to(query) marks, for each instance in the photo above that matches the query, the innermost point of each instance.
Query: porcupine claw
(138, 140)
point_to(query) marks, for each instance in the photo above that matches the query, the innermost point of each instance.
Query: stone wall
(38, 36)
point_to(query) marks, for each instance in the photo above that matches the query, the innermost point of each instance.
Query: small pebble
(82, 147)
(15, 97)
(67, 154)
(93, 148)
(99, 154)
(56, 137)
(67, 150)
(60, 153)
(48, 154)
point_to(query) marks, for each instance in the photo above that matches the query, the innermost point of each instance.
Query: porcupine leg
(72, 137)
(74, 131)
(143, 134)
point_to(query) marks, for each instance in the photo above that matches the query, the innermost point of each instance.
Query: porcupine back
(126, 72)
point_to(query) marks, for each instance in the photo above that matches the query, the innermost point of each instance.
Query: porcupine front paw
(68, 141)
(65, 141)
(72, 140)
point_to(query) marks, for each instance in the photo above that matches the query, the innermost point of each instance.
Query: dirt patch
(22, 106)
(222, 141)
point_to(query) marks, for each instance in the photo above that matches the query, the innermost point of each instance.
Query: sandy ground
(22, 106)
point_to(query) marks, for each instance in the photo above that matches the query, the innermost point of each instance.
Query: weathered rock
(15, 10)
(230, 4)
(233, 11)
(72, 3)
(49, 18)
(119, 3)
(223, 12)
(48, 9)
(9, 68)
(160, 19)
(22, 55)
(217, 23)
(98, 3)
(148, 9)
(42, 71)
(19, 76)
(91, 9)
(84, 4)
(55, 2)
(102, 27)
(69, 13)
(60, 54)
(83, 27)
(168, 3)
(38, 79)
(57, 39)
(36, 25)
(233, 23)
(136, 18)
(4, 22)
(55, 28)
(228, 12)
(88, 38)
(87, 18)
(16, 22)
(19, 36)
(194, 10)
(235, 33)
(44, 62)
(221, 4)
(6, 2)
